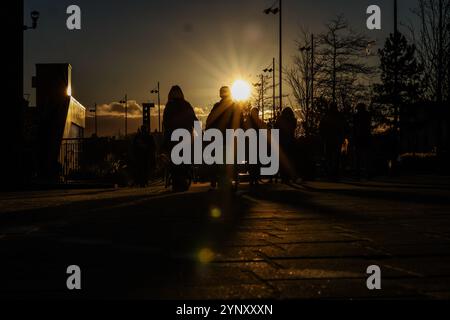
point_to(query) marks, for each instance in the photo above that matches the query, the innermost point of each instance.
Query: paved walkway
(286, 242)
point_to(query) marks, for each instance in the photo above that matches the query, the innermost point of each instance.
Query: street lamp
(308, 49)
(268, 70)
(260, 85)
(125, 102)
(448, 66)
(278, 10)
(309, 103)
(157, 91)
(271, 10)
(34, 20)
(94, 111)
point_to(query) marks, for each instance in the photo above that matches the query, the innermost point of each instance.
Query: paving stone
(426, 266)
(303, 242)
(326, 269)
(228, 292)
(324, 250)
(341, 289)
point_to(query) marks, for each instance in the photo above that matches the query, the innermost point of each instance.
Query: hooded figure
(178, 114)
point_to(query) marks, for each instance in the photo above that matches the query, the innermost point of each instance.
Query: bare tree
(340, 71)
(262, 96)
(433, 45)
(342, 61)
(300, 77)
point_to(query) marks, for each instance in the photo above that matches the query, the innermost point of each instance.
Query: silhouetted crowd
(298, 157)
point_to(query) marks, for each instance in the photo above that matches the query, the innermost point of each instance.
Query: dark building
(58, 116)
(13, 108)
(146, 116)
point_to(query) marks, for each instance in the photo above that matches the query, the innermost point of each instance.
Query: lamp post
(310, 95)
(125, 102)
(396, 39)
(259, 86)
(273, 92)
(448, 67)
(278, 10)
(312, 70)
(12, 172)
(34, 20)
(272, 70)
(262, 96)
(95, 119)
(157, 91)
(396, 101)
(310, 49)
(440, 62)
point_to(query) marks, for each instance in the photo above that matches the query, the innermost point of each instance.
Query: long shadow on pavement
(127, 248)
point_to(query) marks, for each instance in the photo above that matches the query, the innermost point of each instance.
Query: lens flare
(216, 213)
(206, 256)
(241, 90)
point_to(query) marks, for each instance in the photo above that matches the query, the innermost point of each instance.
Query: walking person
(256, 123)
(287, 124)
(226, 114)
(178, 114)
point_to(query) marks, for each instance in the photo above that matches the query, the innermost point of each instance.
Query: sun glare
(241, 90)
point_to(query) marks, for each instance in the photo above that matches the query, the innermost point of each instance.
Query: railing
(71, 153)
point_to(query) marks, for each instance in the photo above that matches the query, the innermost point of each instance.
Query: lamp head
(34, 18)
(272, 10)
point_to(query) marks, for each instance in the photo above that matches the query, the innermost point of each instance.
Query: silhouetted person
(178, 114)
(254, 122)
(226, 114)
(362, 139)
(287, 124)
(332, 129)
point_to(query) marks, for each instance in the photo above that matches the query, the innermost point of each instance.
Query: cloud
(111, 118)
(117, 109)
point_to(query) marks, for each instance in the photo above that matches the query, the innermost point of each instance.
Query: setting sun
(241, 90)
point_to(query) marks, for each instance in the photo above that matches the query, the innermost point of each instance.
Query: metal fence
(70, 157)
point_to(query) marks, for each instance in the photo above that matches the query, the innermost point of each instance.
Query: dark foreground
(304, 241)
